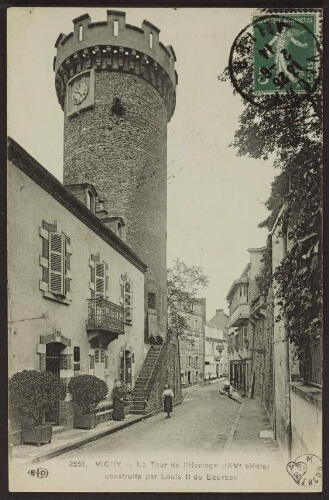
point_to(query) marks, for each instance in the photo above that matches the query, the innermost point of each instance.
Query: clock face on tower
(79, 93)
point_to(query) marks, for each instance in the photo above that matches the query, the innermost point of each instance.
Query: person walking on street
(227, 388)
(168, 397)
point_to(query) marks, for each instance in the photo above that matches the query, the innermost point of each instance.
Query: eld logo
(40, 473)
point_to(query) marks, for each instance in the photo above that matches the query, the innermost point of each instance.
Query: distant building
(239, 353)
(192, 345)
(216, 352)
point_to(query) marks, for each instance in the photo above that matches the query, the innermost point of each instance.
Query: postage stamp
(284, 53)
(277, 58)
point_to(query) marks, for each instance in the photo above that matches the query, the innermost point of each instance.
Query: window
(98, 278)
(196, 361)
(151, 40)
(76, 354)
(90, 200)
(245, 334)
(115, 28)
(100, 355)
(55, 262)
(237, 345)
(127, 304)
(151, 300)
(196, 343)
(190, 360)
(80, 33)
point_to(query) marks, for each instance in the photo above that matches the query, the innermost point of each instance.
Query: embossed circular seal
(277, 59)
(306, 470)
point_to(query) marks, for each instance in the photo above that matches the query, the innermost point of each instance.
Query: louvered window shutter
(56, 263)
(100, 280)
(127, 301)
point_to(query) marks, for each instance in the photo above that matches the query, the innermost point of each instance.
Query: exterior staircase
(145, 381)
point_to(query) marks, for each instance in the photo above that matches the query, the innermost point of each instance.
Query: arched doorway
(53, 351)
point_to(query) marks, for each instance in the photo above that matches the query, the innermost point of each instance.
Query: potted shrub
(125, 393)
(88, 391)
(31, 392)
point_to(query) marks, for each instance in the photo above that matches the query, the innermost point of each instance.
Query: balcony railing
(106, 316)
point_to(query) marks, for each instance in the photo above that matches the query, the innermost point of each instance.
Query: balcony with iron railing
(105, 317)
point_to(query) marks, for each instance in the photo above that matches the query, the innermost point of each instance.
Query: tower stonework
(116, 85)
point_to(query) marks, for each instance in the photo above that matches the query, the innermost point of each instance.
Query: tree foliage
(32, 392)
(289, 127)
(87, 391)
(183, 285)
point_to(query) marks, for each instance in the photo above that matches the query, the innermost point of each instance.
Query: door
(53, 350)
(126, 367)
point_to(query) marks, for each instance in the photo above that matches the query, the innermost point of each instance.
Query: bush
(87, 391)
(31, 392)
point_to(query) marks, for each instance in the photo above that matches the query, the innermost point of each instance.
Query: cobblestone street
(202, 422)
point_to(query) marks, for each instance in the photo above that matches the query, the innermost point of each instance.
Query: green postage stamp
(285, 54)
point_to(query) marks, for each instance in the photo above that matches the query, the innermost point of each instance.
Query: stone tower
(116, 85)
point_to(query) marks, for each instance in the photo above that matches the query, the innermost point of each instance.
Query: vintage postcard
(165, 249)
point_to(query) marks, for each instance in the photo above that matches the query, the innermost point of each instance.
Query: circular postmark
(276, 59)
(306, 470)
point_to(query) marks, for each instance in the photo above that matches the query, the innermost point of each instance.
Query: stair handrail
(156, 362)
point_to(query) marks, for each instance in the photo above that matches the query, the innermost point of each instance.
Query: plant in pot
(88, 391)
(31, 393)
(125, 393)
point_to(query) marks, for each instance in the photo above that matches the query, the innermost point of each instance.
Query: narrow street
(202, 422)
(194, 450)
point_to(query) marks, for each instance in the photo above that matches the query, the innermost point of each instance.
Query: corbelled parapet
(113, 45)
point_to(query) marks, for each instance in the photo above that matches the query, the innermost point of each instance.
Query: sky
(215, 198)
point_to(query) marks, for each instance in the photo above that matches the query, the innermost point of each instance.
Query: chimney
(100, 211)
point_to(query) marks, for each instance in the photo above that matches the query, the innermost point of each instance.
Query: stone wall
(263, 360)
(169, 373)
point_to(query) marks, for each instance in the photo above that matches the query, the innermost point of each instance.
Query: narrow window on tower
(80, 33)
(151, 40)
(116, 28)
(151, 300)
